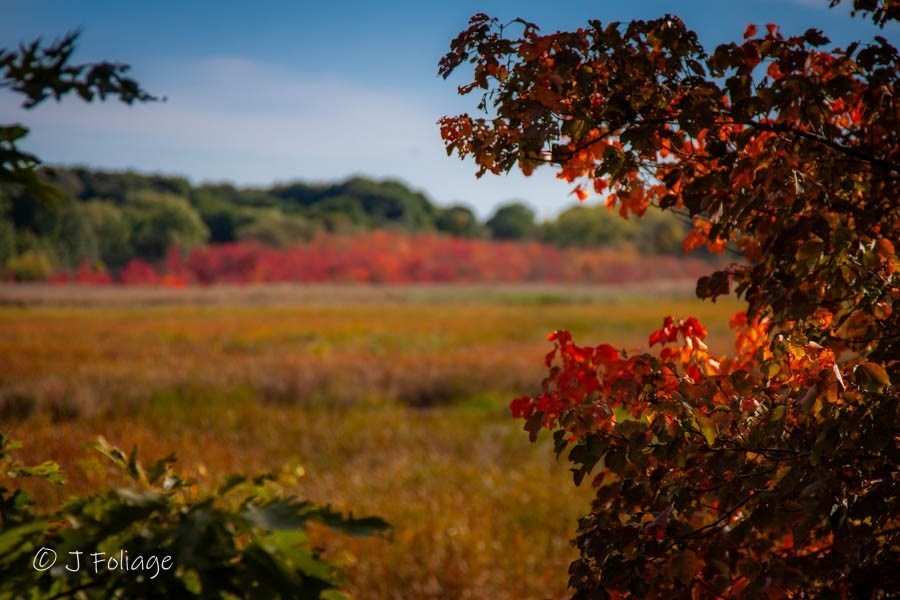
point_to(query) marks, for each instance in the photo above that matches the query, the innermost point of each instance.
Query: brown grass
(391, 399)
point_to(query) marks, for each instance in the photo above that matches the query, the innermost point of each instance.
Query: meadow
(382, 400)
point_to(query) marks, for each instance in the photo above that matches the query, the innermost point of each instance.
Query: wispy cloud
(233, 105)
(232, 119)
(823, 4)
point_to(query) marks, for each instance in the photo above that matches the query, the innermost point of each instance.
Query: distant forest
(109, 218)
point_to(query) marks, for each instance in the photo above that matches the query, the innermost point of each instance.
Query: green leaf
(777, 413)
(160, 468)
(134, 467)
(111, 452)
(15, 536)
(708, 429)
(11, 133)
(289, 546)
(48, 470)
(278, 515)
(362, 527)
(230, 483)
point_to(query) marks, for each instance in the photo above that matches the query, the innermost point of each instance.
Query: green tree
(513, 221)
(390, 203)
(220, 215)
(586, 225)
(273, 228)
(163, 220)
(341, 213)
(222, 225)
(112, 230)
(7, 229)
(75, 239)
(660, 232)
(39, 72)
(367, 204)
(458, 220)
(7, 241)
(117, 186)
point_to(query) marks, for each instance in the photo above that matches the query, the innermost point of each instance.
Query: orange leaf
(581, 193)
(694, 239)
(884, 248)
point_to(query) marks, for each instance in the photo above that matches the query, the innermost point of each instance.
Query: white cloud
(233, 119)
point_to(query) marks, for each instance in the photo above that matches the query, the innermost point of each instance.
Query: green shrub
(158, 537)
(31, 265)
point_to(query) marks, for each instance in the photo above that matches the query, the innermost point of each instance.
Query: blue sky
(268, 92)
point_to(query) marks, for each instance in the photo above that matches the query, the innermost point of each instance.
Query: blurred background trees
(109, 218)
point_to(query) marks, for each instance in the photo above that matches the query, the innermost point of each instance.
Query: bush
(158, 537)
(31, 265)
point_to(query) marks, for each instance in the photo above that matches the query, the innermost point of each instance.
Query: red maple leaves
(769, 471)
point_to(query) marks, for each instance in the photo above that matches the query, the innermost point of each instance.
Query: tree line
(109, 218)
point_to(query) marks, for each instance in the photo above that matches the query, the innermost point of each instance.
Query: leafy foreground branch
(770, 472)
(159, 537)
(39, 72)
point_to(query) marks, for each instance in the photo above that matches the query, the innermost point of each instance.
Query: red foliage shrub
(392, 257)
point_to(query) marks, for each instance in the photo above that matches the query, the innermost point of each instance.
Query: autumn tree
(769, 471)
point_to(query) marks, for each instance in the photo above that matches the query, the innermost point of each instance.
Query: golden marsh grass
(392, 400)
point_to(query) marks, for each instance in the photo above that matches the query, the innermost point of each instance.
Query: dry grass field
(383, 400)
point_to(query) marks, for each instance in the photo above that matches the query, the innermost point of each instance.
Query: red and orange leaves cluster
(632, 412)
(770, 471)
(393, 257)
(592, 382)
